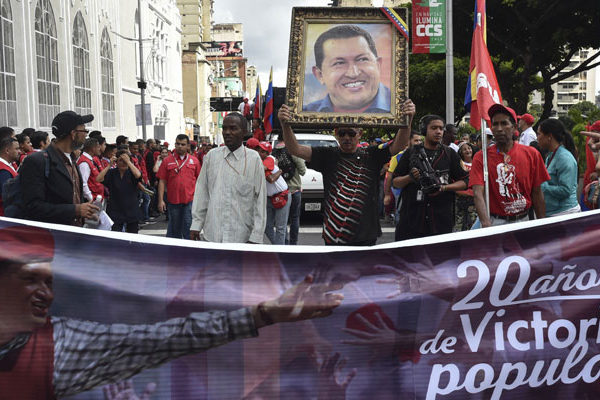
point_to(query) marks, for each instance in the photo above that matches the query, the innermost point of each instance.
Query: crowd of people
(431, 182)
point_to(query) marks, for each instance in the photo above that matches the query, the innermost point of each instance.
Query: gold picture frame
(312, 91)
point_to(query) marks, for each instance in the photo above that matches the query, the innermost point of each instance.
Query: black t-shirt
(422, 214)
(123, 201)
(351, 185)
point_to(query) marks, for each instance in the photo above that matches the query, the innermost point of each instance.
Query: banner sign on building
(429, 26)
(224, 49)
(147, 114)
(507, 312)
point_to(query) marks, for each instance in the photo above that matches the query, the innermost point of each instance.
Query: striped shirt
(89, 354)
(230, 202)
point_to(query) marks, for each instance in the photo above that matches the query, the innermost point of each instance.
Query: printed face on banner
(348, 68)
(25, 296)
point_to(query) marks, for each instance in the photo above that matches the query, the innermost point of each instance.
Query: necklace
(233, 168)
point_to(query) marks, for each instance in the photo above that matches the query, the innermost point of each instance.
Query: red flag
(268, 121)
(482, 88)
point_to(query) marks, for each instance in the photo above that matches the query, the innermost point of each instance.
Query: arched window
(46, 50)
(81, 67)
(8, 92)
(108, 85)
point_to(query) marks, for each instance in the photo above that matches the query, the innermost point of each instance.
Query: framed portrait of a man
(347, 66)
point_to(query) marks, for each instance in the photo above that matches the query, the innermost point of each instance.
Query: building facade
(197, 71)
(71, 54)
(578, 88)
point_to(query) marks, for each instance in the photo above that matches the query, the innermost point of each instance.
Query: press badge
(419, 195)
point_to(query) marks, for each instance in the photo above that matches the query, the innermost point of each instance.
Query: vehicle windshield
(315, 143)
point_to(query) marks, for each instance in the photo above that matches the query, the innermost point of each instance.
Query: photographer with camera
(429, 174)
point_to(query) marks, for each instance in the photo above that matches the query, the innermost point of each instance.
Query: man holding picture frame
(350, 179)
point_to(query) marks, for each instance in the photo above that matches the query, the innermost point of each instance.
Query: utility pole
(449, 65)
(142, 83)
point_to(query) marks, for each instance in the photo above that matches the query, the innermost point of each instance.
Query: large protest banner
(506, 312)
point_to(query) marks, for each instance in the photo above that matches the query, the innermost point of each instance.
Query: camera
(429, 179)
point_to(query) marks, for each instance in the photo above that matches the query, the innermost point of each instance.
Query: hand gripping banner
(507, 312)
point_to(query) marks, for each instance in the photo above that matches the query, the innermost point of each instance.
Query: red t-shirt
(259, 135)
(511, 177)
(180, 176)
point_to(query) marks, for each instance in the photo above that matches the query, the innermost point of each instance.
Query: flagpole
(486, 179)
(449, 65)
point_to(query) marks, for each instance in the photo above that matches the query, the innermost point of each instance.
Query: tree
(531, 42)
(427, 82)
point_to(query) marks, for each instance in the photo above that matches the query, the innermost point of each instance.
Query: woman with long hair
(560, 192)
(464, 206)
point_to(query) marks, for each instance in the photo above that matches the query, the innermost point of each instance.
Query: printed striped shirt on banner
(89, 354)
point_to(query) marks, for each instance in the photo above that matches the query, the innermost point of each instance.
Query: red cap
(26, 244)
(496, 108)
(266, 146)
(528, 118)
(252, 143)
(595, 127)
(166, 144)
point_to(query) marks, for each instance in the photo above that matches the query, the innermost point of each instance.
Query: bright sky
(266, 32)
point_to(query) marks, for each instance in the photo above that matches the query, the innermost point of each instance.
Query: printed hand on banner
(305, 300)
(381, 338)
(124, 391)
(331, 382)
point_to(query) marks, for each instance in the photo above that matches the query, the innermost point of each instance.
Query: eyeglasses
(82, 130)
(346, 132)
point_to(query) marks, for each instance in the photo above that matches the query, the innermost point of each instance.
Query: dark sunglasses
(346, 132)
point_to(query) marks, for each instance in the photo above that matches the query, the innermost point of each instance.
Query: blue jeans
(294, 219)
(180, 220)
(145, 207)
(277, 221)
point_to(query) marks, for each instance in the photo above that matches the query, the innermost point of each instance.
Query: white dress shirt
(527, 136)
(85, 172)
(230, 200)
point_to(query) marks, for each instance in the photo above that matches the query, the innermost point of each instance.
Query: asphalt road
(310, 230)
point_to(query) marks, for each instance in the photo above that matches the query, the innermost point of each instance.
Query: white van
(312, 181)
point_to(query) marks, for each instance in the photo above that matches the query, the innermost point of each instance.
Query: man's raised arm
(292, 145)
(402, 137)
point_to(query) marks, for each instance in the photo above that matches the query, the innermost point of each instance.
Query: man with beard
(51, 184)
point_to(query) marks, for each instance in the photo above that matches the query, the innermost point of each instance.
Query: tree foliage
(531, 42)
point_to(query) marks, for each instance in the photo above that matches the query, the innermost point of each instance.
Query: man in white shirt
(528, 135)
(230, 199)
(89, 170)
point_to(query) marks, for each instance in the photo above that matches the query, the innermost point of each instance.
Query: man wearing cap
(44, 357)
(57, 198)
(230, 198)
(350, 179)
(516, 173)
(528, 135)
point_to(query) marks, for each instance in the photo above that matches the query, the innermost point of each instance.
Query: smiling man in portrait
(348, 65)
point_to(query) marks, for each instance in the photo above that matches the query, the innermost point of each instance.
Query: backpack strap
(46, 164)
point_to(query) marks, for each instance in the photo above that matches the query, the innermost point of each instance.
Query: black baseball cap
(66, 121)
